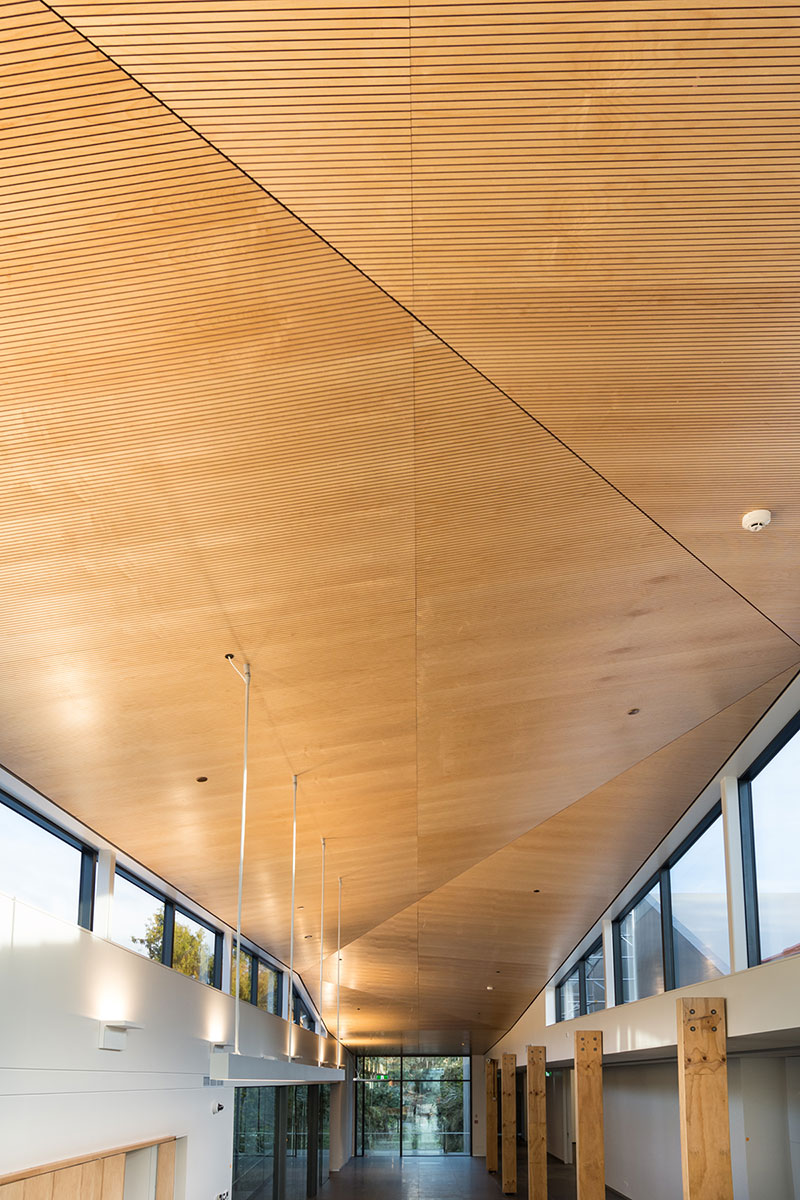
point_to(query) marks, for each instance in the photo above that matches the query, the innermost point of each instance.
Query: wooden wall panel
(68, 1184)
(38, 1188)
(509, 1141)
(114, 1177)
(92, 1180)
(703, 1089)
(165, 1173)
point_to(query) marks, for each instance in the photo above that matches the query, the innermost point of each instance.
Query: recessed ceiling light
(308, 936)
(633, 711)
(489, 987)
(536, 891)
(202, 779)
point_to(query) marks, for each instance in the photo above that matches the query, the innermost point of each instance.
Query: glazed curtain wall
(413, 1105)
(281, 1142)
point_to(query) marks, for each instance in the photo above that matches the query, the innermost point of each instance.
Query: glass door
(254, 1143)
(297, 1144)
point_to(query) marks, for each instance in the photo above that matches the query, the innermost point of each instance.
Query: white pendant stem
(246, 677)
(339, 981)
(321, 953)
(291, 935)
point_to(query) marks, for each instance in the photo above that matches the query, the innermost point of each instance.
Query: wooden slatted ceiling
(596, 205)
(220, 436)
(315, 101)
(196, 391)
(579, 859)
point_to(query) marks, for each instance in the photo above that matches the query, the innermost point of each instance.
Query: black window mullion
(616, 939)
(749, 865)
(402, 1093)
(582, 987)
(219, 949)
(559, 1003)
(86, 888)
(37, 819)
(667, 941)
(168, 940)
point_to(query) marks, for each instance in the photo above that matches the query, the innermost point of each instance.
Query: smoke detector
(756, 520)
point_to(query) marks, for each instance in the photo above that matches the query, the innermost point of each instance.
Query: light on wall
(114, 1034)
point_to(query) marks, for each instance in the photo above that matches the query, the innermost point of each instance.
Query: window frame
(168, 938)
(747, 828)
(580, 966)
(660, 877)
(219, 940)
(257, 960)
(301, 1000)
(87, 870)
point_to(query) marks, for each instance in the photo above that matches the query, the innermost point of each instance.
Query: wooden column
(537, 1124)
(703, 1088)
(491, 1114)
(509, 1077)
(589, 1115)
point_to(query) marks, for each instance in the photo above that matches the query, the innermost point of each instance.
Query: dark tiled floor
(449, 1178)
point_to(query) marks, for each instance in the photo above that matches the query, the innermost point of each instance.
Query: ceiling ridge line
(793, 667)
(742, 739)
(49, 7)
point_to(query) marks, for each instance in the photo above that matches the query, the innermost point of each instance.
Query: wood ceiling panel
(312, 102)
(221, 436)
(208, 443)
(598, 207)
(548, 607)
(579, 859)
(612, 196)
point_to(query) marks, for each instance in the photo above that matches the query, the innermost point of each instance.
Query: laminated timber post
(509, 1078)
(491, 1114)
(703, 1088)
(537, 1124)
(589, 1119)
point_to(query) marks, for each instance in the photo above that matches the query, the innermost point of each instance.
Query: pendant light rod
(245, 676)
(321, 951)
(339, 980)
(291, 934)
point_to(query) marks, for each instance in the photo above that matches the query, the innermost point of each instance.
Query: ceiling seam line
(666, 835)
(501, 391)
(794, 667)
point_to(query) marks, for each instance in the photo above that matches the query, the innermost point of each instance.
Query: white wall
(642, 1132)
(642, 1143)
(560, 1114)
(793, 1119)
(761, 1000)
(766, 1128)
(343, 1117)
(62, 1096)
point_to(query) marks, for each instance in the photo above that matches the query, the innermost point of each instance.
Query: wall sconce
(114, 1034)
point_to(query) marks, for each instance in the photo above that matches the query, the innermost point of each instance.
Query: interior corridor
(448, 1178)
